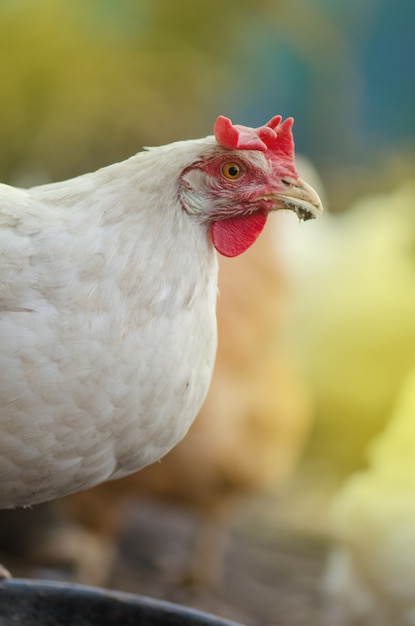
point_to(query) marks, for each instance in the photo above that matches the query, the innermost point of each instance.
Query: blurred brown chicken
(247, 437)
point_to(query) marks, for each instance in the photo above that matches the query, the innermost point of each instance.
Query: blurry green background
(88, 82)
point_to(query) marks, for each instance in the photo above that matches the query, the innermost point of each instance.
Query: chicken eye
(231, 170)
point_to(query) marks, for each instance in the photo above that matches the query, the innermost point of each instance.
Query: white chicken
(107, 302)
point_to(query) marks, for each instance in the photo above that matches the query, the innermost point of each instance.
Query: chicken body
(248, 435)
(247, 438)
(89, 337)
(107, 307)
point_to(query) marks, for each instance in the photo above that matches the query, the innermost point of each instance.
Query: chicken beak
(300, 197)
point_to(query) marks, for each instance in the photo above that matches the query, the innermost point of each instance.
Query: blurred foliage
(88, 82)
(84, 83)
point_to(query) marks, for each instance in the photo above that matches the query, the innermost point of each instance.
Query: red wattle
(235, 235)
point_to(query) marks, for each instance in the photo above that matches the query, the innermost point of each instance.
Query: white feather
(107, 324)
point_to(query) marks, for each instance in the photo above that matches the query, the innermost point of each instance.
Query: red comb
(275, 138)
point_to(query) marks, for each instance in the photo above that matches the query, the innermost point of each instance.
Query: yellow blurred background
(89, 82)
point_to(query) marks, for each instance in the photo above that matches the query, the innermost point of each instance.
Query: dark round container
(38, 603)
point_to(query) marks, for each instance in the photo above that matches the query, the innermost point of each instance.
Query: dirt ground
(272, 562)
(269, 578)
